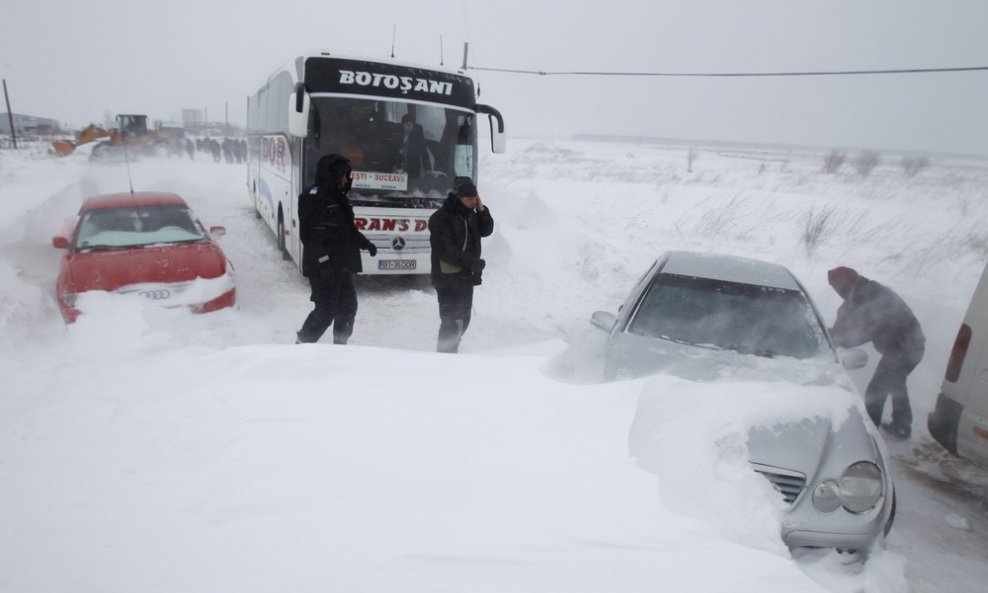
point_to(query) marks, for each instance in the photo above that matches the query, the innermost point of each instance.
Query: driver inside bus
(412, 151)
(371, 132)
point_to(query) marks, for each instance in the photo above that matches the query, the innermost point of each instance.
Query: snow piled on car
(715, 478)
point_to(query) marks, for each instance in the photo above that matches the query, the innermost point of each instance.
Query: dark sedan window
(110, 228)
(749, 319)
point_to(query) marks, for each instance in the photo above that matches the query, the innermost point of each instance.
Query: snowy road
(577, 223)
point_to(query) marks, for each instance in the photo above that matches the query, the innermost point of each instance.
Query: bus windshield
(403, 154)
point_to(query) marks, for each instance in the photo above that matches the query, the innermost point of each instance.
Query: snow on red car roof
(130, 200)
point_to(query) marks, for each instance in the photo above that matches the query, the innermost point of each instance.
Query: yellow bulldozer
(131, 133)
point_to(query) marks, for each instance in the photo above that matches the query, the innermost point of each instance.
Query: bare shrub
(866, 162)
(834, 161)
(819, 224)
(955, 244)
(723, 220)
(912, 165)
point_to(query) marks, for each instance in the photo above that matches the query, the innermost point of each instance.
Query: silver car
(708, 317)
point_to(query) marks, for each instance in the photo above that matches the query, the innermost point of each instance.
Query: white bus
(323, 103)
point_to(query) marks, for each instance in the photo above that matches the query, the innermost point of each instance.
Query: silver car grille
(789, 483)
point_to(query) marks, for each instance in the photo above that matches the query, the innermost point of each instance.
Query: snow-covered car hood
(836, 431)
(628, 355)
(798, 422)
(812, 444)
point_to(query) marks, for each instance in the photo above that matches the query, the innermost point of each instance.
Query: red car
(147, 243)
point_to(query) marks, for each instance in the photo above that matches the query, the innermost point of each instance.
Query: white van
(960, 420)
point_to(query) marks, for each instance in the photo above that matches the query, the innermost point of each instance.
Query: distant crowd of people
(229, 150)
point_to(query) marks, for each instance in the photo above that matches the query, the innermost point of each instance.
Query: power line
(732, 74)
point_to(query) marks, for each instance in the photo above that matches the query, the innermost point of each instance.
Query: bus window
(371, 135)
(463, 156)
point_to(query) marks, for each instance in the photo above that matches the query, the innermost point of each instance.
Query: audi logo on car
(160, 294)
(398, 243)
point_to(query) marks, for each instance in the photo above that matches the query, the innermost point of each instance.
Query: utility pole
(10, 114)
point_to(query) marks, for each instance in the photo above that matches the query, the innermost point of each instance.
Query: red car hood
(112, 269)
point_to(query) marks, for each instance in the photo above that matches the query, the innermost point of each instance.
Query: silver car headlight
(859, 489)
(861, 486)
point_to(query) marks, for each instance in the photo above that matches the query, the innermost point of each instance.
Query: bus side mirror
(298, 112)
(498, 137)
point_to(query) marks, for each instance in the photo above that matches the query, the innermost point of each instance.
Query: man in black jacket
(456, 229)
(873, 313)
(331, 247)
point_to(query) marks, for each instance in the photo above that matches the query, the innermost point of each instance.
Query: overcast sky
(74, 61)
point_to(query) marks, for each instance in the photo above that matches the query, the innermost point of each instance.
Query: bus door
(294, 243)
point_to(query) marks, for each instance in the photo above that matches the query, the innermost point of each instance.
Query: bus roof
(388, 60)
(328, 74)
(294, 65)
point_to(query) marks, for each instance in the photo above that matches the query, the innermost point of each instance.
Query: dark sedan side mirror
(603, 320)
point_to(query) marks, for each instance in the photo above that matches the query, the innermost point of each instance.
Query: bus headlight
(858, 490)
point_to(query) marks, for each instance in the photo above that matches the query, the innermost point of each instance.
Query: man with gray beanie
(456, 229)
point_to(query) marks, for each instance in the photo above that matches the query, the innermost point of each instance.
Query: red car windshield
(114, 228)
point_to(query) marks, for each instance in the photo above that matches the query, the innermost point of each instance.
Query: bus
(407, 130)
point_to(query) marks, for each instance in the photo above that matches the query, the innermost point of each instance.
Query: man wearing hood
(456, 229)
(331, 247)
(873, 313)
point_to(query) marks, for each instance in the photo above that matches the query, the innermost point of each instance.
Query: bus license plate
(396, 264)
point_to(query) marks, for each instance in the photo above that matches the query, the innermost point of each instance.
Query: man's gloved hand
(477, 266)
(372, 250)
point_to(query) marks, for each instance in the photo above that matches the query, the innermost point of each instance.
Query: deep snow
(145, 449)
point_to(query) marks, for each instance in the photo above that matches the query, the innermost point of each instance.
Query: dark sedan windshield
(111, 228)
(750, 319)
